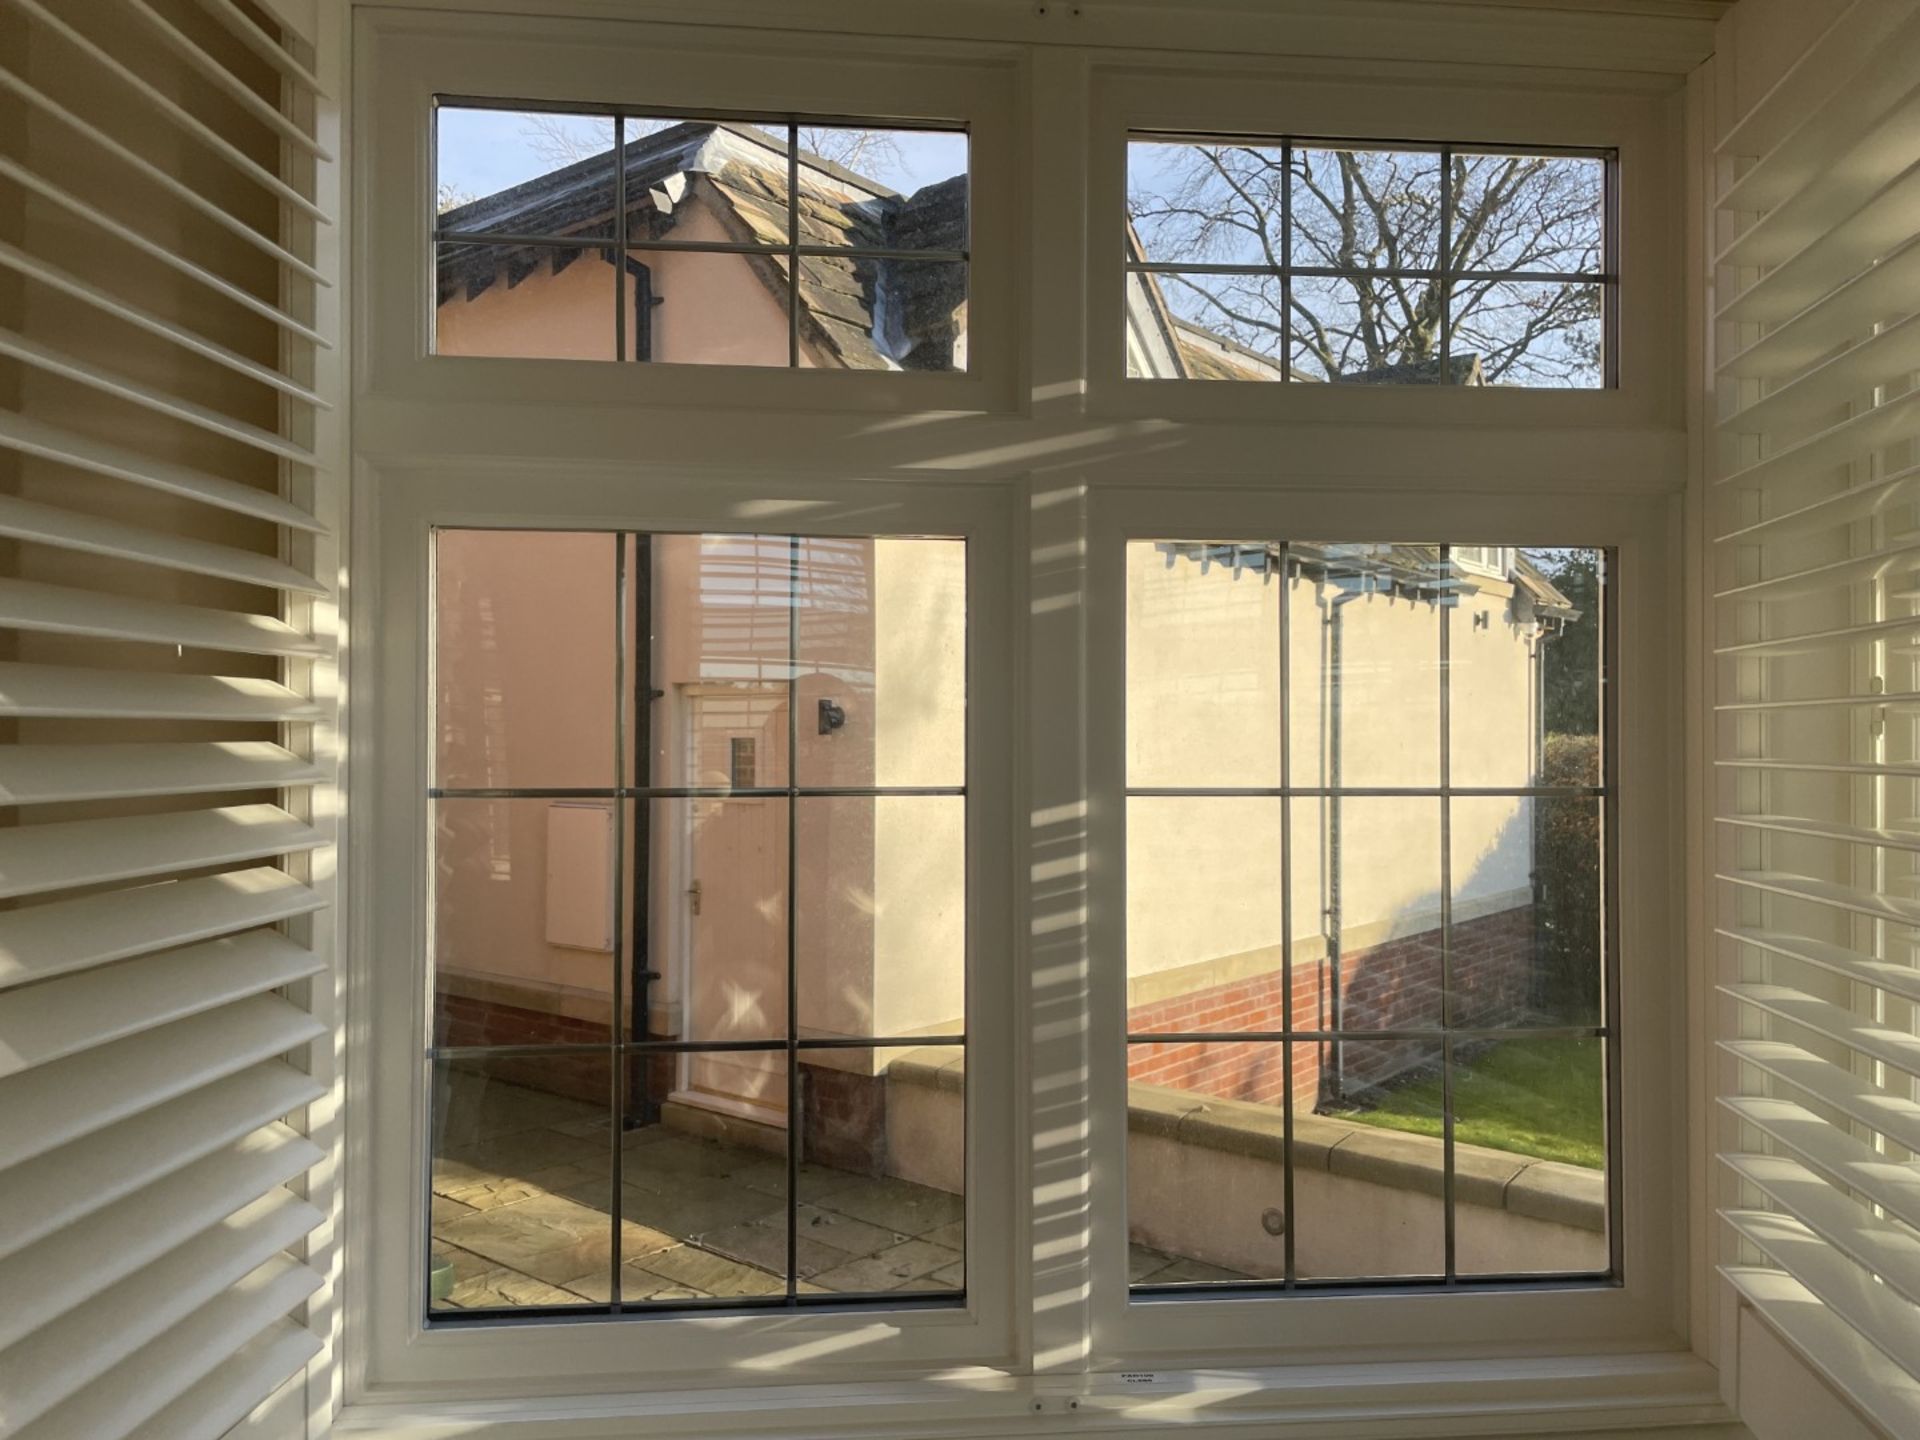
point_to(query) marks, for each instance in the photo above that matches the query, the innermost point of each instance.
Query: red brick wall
(1387, 987)
(843, 1119)
(462, 1020)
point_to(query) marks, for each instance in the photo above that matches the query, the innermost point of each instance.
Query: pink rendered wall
(524, 697)
(714, 309)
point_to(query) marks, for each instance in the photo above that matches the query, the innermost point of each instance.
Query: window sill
(1586, 1395)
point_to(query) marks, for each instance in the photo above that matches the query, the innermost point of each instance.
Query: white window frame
(405, 60)
(1040, 454)
(1135, 1333)
(399, 1354)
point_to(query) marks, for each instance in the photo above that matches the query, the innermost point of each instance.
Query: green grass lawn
(1533, 1097)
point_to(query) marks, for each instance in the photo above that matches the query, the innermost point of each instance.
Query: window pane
(1364, 688)
(884, 188)
(1205, 202)
(881, 922)
(1523, 652)
(1203, 913)
(1204, 326)
(529, 302)
(1530, 212)
(883, 1141)
(523, 667)
(524, 172)
(1527, 929)
(1203, 663)
(860, 312)
(1370, 868)
(1325, 263)
(1367, 330)
(1370, 1164)
(1544, 335)
(718, 924)
(1206, 1181)
(1421, 918)
(700, 308)
(523, 921)
(705, 1186)
(1530, 1130)
(721, 658)
(521, 1191)
(882, 642)
(1357, 208)
(706, 181)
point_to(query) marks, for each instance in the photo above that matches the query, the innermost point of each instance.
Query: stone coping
(1537, 1189)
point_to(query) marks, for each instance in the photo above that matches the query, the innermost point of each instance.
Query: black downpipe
(642, 1106)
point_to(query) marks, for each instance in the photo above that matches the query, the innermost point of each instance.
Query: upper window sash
(1365, 261)
(1621, 302)
(946, 277)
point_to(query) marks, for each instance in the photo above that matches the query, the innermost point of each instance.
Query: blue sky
(482, 151)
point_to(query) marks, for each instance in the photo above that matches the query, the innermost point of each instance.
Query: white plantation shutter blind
(1815, 514)
(167, 688)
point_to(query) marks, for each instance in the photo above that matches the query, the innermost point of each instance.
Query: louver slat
(1828, 1149)
(1901, 980)
(179, 264)
(1856, 1367)
(1799, 188)
(63, 610)
(192, 199)
(47, 1107)
(50, 774)
(1815, 687)
(38, 858)
(1876, 1042)
(70, 367)
(1876, 1311)
(1884, 357)
(89, 1256)
(95, 535)
(224, 79)
(1858, 1099)
(89, 1340)
(121, 1404)
(228, 1392)
(175, 112)
(104, 301)
(51, 442)
(1892, 1254)
(66, 935)
(43, 1023)
(77, 1179)
(162, 982)
(63, 691)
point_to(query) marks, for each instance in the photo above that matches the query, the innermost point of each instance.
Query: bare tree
(862, 151)
(563, 139)
(451, 197)
(1376, 217)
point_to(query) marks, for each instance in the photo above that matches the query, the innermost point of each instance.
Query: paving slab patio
(521, 1207)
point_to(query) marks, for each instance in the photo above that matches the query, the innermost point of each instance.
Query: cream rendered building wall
(1203, 705)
